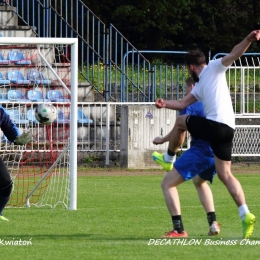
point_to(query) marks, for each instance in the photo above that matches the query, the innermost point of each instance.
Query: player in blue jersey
(12, 133)
(196, 163)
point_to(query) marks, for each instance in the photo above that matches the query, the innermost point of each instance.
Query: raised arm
(240, 48)
(175, 104)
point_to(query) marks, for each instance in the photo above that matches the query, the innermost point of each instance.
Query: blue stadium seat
(3, 81)
(55, 95)
(17, 58)
(35, 95)
(61, 119)
(3, 61)
(37, 77)
(16, 95)
(3, 99)
(16, 117)
(30, 115)
(82, 118)
(16, 77)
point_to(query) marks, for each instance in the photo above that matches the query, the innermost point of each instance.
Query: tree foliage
(181, 24)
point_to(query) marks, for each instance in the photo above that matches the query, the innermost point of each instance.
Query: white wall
(139, 132)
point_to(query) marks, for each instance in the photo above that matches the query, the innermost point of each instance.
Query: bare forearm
(241, 48)
(173, 104)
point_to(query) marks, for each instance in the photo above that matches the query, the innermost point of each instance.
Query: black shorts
(220, 136)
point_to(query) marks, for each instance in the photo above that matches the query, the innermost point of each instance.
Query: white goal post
(6, 42)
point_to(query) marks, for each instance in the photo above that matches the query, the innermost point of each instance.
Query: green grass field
(118, 216)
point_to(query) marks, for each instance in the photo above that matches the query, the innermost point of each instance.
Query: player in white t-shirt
(218, 126)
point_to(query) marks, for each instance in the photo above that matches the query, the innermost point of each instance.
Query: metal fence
(119, 72)
(107, 60)
(243, 79)
(104, 135)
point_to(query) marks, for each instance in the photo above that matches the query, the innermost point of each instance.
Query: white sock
(169, 158)
(243, 209)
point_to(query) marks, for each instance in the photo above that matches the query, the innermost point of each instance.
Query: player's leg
(233, 185)
(204, 193)
(169, 187)
(186, 167)
(203, 161)
(220, 137)
(6, 186)
(164, 139)
(206, 199)
(235, 189)
(177, 134)
(166, 160)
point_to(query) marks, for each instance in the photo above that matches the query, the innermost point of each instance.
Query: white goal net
(35, 71)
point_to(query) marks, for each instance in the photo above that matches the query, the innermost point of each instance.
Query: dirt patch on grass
(246, 168)
(239, 168)
(117, 172)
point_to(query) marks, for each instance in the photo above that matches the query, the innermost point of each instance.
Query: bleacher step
(17, 31)
(8, 15)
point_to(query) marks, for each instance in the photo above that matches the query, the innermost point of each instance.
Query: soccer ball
(45, 113)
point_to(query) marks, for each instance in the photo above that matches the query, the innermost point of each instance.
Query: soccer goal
(35, 71)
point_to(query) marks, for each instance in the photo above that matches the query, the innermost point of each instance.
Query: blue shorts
(198, 160)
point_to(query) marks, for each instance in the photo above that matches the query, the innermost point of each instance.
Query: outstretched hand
(159, 103)
(254, 36)
(24, 138)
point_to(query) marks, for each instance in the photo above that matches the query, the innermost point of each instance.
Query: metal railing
(120, 73)
(244, 84)
(115, 68)
(107, 60)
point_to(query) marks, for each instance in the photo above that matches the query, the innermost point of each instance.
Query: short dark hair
(195, 57)
(189, 81)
